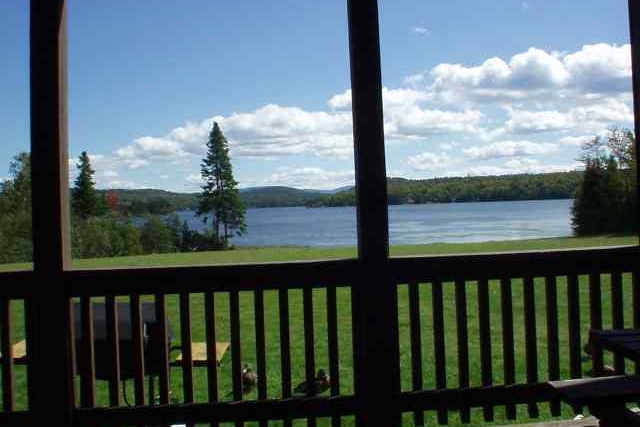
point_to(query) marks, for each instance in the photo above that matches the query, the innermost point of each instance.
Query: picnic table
(623, 343)
(606, 397)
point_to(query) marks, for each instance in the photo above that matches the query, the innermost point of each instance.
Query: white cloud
(509, 149)
(414, 79)
(266, 132)
(311, 177)
(575, 141)
(495, 78)
(429, 161)
(144, 149)
(589, 118)
(391, 98)
(420, 30)
(516, 166)
(194, 178)
(566, 94)
(416, 121)
(123, 185)
(341, 100)
(448, 146)
(599, 68)
(273, 131)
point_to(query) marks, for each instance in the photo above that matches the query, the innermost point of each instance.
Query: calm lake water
(408, 224)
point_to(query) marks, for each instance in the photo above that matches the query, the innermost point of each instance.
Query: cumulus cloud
(123, 185)
(599, 68)
(144, 149)
(509, 149)
(516, 166)
(448, 146)
(416, 121)
(575, 141)
(273, 131)
(194, 177)
(268, 131)
(311, 177)
(405, 116)
(391, 98)
(589, 118)
(110, 174)
(570, 95)
(429, 161)
(414, 79)
(341, 100)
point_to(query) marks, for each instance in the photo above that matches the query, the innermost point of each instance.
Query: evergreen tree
(15, 212)
(220, 198)
(605, 201)
(85, 201)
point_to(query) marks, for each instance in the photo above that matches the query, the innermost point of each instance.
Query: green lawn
(344, 320)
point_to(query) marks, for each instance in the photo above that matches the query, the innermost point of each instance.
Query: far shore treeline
(605, 201)
(545, 186)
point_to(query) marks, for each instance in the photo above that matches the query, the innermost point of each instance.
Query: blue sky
(485, 87)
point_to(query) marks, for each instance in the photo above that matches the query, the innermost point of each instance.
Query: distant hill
(262, 197)
(158, 202)
(558, 185)
(544, 186)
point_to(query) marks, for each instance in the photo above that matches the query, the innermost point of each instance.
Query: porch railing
(476, 333)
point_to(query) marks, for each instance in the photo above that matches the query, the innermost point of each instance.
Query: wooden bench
(199, 353)
(605, 397)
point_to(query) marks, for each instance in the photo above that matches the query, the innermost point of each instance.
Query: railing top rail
(322, 273)
(515, 264)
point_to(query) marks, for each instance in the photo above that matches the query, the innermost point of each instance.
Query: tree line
(607, 200)
(100, 228)
(559, 185)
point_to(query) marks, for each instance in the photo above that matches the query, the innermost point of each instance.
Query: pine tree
(85, 201)
(15, 212)
(605, 200)
(220, 199)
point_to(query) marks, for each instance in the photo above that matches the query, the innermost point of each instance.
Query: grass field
(344, 320)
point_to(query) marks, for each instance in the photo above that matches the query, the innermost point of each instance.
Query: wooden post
(634, 30)
(50, 344)
(374, 295)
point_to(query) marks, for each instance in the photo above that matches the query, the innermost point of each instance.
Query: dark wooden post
(634, 30)
(50, 352)
(374, 296)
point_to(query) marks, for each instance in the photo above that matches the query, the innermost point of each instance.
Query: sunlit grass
(273, 374)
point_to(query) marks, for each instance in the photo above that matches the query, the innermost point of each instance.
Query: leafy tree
(15, 212)
(156, 236)
(105, 236)
(220, 198)
(111, 199)
(85, 201)
(159, 206)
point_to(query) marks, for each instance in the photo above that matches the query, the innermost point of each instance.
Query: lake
(408, 224)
